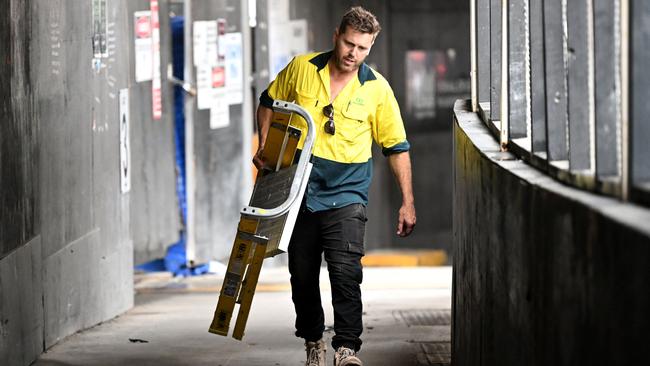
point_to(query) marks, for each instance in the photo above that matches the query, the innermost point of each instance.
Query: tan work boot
(346, 357)
(315, 353)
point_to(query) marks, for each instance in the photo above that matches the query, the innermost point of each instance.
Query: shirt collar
(365, 72)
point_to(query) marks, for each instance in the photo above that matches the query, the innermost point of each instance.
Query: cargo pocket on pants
(354, 229)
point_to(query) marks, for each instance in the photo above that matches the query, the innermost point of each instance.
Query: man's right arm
(264, 115)
(281, 88)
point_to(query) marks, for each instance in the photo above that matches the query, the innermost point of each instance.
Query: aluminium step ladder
(266, 225)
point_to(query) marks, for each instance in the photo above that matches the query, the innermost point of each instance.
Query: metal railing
(303, 168)
(563, 84)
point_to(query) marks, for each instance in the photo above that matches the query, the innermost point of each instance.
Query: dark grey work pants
(338, 233)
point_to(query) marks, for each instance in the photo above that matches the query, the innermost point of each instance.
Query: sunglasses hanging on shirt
(328, 111)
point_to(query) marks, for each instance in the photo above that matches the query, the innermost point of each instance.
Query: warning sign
(143, 46)
(218, 77)
(143, 24)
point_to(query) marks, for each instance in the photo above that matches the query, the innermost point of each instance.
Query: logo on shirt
(358, 101)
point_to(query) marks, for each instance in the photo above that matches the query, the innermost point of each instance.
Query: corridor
(133, 161)
(407, 323)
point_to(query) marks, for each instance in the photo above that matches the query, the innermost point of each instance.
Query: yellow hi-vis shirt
(364, 110)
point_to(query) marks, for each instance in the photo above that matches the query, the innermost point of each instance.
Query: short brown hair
(360, 20)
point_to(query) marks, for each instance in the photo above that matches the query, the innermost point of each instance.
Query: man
(352, 105)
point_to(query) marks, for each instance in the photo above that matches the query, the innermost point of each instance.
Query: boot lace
(315, 356)
(345, 352)
(346, 356)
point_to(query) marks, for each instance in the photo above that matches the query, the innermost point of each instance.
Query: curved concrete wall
(544, 274)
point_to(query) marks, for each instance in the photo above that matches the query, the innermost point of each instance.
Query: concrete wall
(68, 234)
(544, 274)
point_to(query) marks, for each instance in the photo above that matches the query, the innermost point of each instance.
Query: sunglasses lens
(329, 127)
(328, 111)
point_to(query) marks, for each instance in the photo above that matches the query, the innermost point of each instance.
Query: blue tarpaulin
(175, 260)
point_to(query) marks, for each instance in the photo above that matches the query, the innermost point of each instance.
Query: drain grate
(436, 353)
(424, 317)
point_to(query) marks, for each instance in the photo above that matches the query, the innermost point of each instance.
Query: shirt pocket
(306, 98)
(354, 124)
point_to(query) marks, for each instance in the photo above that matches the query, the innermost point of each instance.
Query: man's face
(351, 49)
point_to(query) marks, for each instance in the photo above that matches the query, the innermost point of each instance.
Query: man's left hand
(406, 221)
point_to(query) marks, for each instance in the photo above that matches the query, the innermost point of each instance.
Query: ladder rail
(303, 163)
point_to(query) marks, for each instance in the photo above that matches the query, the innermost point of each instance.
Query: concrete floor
(407, 317)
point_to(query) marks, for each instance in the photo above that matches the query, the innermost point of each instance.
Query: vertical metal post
(607, 87)
(247, 107)
(537, 77)
(190, 161)
(625, 98)
(528, 82)
(578, 59)
(473, 54)
(565, 60)
(483, 55)
(518, 72)
(591, 86)
(504, 75)
(495, 59)
(555, 83)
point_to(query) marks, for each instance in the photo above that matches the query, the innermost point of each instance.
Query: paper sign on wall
(100, 34)
(208, 80)
(218, 57)
(125, 146)
(100, 48)
(206, 58)
(143, 46)
(221, 32)
(205, 43)
(232, 45)
(220, 111)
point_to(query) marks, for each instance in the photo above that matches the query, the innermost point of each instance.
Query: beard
(345, 63)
